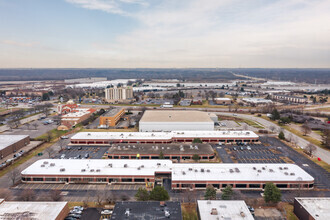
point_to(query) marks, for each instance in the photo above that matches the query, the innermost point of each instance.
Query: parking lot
(79, 152)
(256, 153)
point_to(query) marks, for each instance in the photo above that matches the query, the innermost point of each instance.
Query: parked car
(63, 156)
(106, 212)
(249, 148)
(64, 137)
(68, 148)
(86, 155)
(79, 148)
(234, 148)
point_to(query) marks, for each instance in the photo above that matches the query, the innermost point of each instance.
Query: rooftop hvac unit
(139, 168)
(254, 168)
(92, 170)
(42, 165)
(292, 174)
(83, 170)
(98, 170)
(196, 170)
(62, 169)
(190, 169)
(125, 165)
(285, 168)
(208, 170)
(237, 170)
(231, 170)
(286, 173)
(89, 134)
(158, 164)
(264, 168)
(280, 168)
(202, 170)
(110, 164)
(52, 164)
(271, 170)
(259, 171)
(183, 173)
(45, 162)
(142, 166)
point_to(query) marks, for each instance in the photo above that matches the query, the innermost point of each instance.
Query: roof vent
(98, 170)
(125, 165)
(42, 165)
(286, 173)
(280, 168)
(231, 170)
(45, 162)
(285, 168)
(259, 171)
(52, 164)
(142, 166)
(271, 170)
(237, 170)
(292, 174)
(62, 169)
(214, 211)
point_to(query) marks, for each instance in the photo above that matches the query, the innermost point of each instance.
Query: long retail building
(182, 175)
(106, 138)
(171, 120)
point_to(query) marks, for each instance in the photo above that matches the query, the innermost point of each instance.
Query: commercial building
(185, 102)
(257, 101)
(174, 152)
(223, 101)
(73, 118)
(312, 208)
(146, 210)
(106, 138)
(33, 210)
(111, 118)
(291, 99)
(116, 94)
(66, 108)
(223, 209)
(168, 120)
(11, 143)
(182, 175)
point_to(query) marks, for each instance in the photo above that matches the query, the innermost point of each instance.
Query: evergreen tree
(275, 115)
(281, 135)
(210, 193)
(272, 193)
(161, 155)
(159, 193)
(227, 193)
(195, 157)
(142, 194)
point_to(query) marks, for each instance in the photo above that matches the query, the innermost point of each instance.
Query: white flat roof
(31, 210)
(222, 99)
(180, 172)
(228, 209)
(257, 100)
(175, 116)
(7, 140)
(317, 207)
(161, 135)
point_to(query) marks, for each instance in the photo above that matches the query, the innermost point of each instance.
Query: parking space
(251, 153)
(82, 152)
(79, 187)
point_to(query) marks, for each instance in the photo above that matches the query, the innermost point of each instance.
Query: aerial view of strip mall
(164, 109)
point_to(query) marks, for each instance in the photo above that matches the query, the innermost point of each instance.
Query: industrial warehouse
(182, 175)
(12, 143)
(106, 138)
(176, 121)
(175, 152)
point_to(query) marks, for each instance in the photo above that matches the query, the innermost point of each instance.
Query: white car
(106, 212)
(249, 148)
(64, 137)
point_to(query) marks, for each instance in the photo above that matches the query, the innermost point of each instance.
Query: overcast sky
(164, 33)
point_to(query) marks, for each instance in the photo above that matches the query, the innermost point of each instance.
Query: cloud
(19, 44)
(226, 33)
(110, 6)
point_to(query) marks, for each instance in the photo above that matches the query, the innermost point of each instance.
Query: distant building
(197, 101)
(33, 210)
(116, 94)
(66, 108)
(312, 208)
(288, 98)
(169, 120)
(222, 101)
(86, 80)
(111, 118)
(223, 209)
(25, 92)
(146, 210)
(185, 102)
(73, 118)
(257, 101)
(11, 143)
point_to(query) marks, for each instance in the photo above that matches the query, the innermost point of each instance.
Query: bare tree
(5, 194)
(49, 136)
(245, 126)
(272, 128)
(305, 129)
(27, 195)
(99, 198)
(14, 175)
(35, 125)
(310, 149)
(27, 125)
(55, 195)
(61, 143)
(50, 151)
